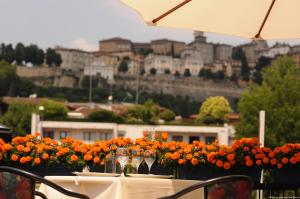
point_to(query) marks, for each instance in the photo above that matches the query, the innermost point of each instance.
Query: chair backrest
(228, 187)
(14, 186)
(26, 179)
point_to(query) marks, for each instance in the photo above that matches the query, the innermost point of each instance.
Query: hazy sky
(82, 23)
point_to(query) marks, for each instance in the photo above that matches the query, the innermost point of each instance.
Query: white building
(98, 68)
(74, 59)
(161, 63)
(191, 59)
(277, 49)
(90, 132)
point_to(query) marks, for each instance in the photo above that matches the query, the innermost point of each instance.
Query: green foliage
(123, 67)
(177, 74)
(187, 72)
(11, 84)
(85, 83)
(206, 73)
(152, 71)
(214, 110)
(54, 110)
(239, 54)
(279, 96)
(18, 118)
(53, 58)
(234, 77)
(104, 116)
(147, 113)
(167, 71)
(262, 62)
(167, 115)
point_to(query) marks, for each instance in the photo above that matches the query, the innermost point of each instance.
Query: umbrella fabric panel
(234, 17)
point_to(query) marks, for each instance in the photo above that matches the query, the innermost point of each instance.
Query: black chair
(17, 183)
(228, 187)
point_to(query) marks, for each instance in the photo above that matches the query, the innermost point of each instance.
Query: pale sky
(82, 23)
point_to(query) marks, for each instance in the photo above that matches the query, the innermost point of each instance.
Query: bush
(167, 115)
(104, 116)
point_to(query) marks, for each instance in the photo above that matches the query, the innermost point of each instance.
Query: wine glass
(149, 156)
(122, 157)
(137, 157)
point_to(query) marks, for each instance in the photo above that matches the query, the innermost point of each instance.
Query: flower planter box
(285, 176)
(43, 171)
(206, 172)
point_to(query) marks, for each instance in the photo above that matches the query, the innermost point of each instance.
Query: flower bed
(190, 161)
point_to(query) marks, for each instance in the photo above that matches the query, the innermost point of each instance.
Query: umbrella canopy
(267, 19)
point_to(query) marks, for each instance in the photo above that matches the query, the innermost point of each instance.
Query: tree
(147, 113)
(279, 96)
(214, 110)
(18, 118)
(7, 77)
(187, 72)
(54, 110)
(104, 116)
(34, 55)
(85, 83)
(19, 53)
(262, 62)
(239, 54)
(167, 71)
(233, 77)
(123, 67)
(7, 53)
(177, 74)
(167, 115)
(153, 71)
(206, 73)
(53, 58)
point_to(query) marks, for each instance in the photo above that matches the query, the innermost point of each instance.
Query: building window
(88, 136)
(49, 134)
(177, 138)
(209, 139)
(63, 135)
(193, 138)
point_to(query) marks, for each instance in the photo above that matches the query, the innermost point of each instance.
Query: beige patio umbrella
(267, 19)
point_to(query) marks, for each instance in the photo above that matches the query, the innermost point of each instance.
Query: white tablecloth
(118, 187)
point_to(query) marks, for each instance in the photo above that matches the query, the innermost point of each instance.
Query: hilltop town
(197, 69)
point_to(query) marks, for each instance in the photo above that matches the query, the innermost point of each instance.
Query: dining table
(98, 187)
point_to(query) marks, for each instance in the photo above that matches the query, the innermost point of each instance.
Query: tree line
(21, 55)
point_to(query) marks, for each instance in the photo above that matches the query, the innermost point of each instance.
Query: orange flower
(226, 166)
(258, 162)
(194, 161)
(96, 159)
(175, 156)
(271, 154)
(7, 147)
(230, 156)
(168, 155)
(265, 160)
(45, 156)
(14, 157)
(273, 161)
(249, 163)
(293, 160)
(279, 165)
(28, 158)
(74, 158)
(20, 148)
(37, 161)
(285, 160)
(87, 157)
(188, 157)
(23, 160)
(27, 149)
(164, 135)
(246, 148)
(219, 163)
(181, 161)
